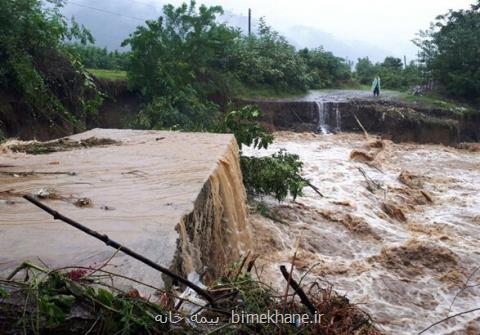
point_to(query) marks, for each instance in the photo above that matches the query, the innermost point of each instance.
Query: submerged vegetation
(277, 175)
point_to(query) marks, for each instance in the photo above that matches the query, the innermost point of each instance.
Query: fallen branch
(361, 126)
(104, 238)
(24, 265)
(370, 180)
(240, 268)
(289, 278)
(448, 318)
(465, 286)
(306, 181)
(298, 290)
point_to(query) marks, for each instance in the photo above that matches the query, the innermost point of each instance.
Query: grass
(435, 101)
(266, 92)
(109, 74)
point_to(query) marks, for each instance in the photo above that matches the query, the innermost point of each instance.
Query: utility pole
(249, 22)
(405, 61)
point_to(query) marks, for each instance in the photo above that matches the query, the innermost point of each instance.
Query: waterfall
(322, 125)
(326, 120)
(338, 119)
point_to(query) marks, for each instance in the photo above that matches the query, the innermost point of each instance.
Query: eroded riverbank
(397, 231)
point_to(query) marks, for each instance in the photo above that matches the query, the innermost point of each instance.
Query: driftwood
(306, 181)
(372, 182)
(104, 238)
(361, 126)
(298, 290)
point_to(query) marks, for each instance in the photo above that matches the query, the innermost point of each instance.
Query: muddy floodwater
(150, 191)
(397, 231)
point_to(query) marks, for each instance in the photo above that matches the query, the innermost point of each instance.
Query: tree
(365, 71)
(178, 62)
(393, 64)
(450, 51)
(184, 47)
(35, 66)
(267, 59)
(99, 58)
(325, 69)
(391, 73)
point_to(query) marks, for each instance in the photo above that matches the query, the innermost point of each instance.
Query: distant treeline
(187, 66)
(393, 73)
(99, 58)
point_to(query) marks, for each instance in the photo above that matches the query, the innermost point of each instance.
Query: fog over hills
(111, 21)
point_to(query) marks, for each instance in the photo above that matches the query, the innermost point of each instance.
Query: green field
(109, 74)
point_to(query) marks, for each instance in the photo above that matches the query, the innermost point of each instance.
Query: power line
(139, 2)
(107, 11)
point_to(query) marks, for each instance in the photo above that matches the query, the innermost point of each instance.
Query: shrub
(277, 175)
(185, 111)
(244, 124)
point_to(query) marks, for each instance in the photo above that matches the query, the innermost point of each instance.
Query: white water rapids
(402, 250)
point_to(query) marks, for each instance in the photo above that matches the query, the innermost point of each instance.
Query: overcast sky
(389, 24)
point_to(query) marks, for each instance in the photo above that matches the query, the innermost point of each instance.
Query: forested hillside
(187, 65)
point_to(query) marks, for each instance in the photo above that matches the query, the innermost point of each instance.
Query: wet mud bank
(392, 120)
(119, 107)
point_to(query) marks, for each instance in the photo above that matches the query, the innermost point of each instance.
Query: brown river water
(397, 231)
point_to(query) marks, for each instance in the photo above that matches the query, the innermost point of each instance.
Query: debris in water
(393, 211)
(473, 147)
(376, 143)
(48, 193)
(64, 144)
(345, 203)
(415, 257)
(83, 202)
(427, 196)
(359, 226)
(18, 174)
(410, 179)
(361, 156)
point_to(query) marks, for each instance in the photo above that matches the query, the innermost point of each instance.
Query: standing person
(376, 86)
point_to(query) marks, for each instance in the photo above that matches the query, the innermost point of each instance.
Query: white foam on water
(425, 260)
